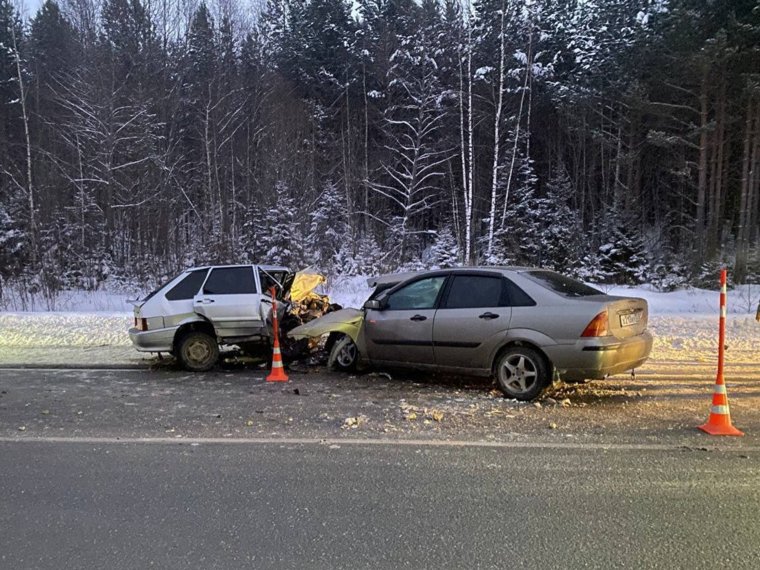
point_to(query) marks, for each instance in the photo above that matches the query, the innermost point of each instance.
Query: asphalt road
(271, 505)
(158, 468)
(237, 403)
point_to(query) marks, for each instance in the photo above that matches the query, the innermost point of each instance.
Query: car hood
(304, 284)
(346, 321)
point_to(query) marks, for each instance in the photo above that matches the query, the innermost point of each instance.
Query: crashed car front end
(337, 326)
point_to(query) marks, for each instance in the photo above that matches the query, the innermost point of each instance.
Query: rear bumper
(598, 358)
(160, 340)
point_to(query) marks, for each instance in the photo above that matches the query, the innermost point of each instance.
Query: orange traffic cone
(719, 422)
(278, 370)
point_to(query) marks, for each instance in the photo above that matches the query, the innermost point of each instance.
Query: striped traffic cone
(278, 370)
(719, 422)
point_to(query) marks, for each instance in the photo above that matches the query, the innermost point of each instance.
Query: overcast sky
(28, 8)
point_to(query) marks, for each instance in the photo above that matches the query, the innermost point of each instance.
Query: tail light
(141, 324)
(599, 326)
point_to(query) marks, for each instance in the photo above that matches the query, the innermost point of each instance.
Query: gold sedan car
(517, 324)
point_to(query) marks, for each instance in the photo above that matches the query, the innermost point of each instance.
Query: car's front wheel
(198, 351)
(344, 354)
(522, 373)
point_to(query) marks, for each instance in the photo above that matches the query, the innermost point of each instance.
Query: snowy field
(91, 327)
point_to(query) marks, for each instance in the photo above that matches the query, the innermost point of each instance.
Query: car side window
(230, 281)
(475, 291)
(518, 297)
(188, 287)
(419, 295)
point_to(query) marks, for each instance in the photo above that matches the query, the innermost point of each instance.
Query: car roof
(264, 267)
(399, 277)
(392, 278)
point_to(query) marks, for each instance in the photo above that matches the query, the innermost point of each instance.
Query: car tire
(344, 355)
(198, 351)
(522, 373)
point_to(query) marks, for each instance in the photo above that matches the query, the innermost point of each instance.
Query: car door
(268, 280)
(402, 331)
(230, 300)
(472, 318)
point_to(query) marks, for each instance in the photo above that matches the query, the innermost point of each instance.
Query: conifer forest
(613, 140)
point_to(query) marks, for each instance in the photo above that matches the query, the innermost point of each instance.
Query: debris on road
(437, 415)
(354, 422)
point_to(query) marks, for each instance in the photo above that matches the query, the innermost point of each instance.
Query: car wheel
(522, 373)
(344, 354)
(198, 351)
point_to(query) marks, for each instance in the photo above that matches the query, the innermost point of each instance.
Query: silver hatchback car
(519, 324)
(203, 307)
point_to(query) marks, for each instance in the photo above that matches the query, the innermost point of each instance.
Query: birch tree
(409, 176)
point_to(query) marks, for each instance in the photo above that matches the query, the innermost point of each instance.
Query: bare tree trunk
(617, 199)
(754, 184)
(517, 129)
(753, 203)
(209, 173)
(716, 183)
(28, 143)
(496, 134)
(366, 148)
(82, 205)
(744, 199)
(347, 162)
(467, 157)
(702, 178)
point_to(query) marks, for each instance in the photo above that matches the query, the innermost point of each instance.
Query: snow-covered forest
(614, 140)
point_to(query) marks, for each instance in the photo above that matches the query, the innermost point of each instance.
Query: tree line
(614, 140)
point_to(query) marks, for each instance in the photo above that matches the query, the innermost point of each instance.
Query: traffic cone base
(713, 429)
(278, 370)
(719, 422)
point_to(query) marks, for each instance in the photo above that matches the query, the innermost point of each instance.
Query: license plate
(630, 319)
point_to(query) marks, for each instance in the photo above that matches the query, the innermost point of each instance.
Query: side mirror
(373, 304)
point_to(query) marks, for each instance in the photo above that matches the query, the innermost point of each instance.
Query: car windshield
(561, 284)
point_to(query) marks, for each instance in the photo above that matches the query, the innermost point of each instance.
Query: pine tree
(621, 256)
(559, 225)
(408, 177)
(328, 228)
(10, 124)
(518, 242)
(444, 252)
(282, 240)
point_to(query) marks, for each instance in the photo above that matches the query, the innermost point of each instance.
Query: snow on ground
(93, 327)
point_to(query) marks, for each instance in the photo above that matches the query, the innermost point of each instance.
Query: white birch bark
(528, 72)
(466, 194)
(470, 143)
(497, 134)
(28, 143)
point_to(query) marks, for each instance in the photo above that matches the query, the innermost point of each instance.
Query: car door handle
(418, 318)
(205, 301)
(488, 316)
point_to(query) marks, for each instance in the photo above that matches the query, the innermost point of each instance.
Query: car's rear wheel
(344, 354)
(522, 373)
(198, 351)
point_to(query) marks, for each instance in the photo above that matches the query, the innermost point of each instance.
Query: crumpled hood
(347, 321)
(304, 284)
